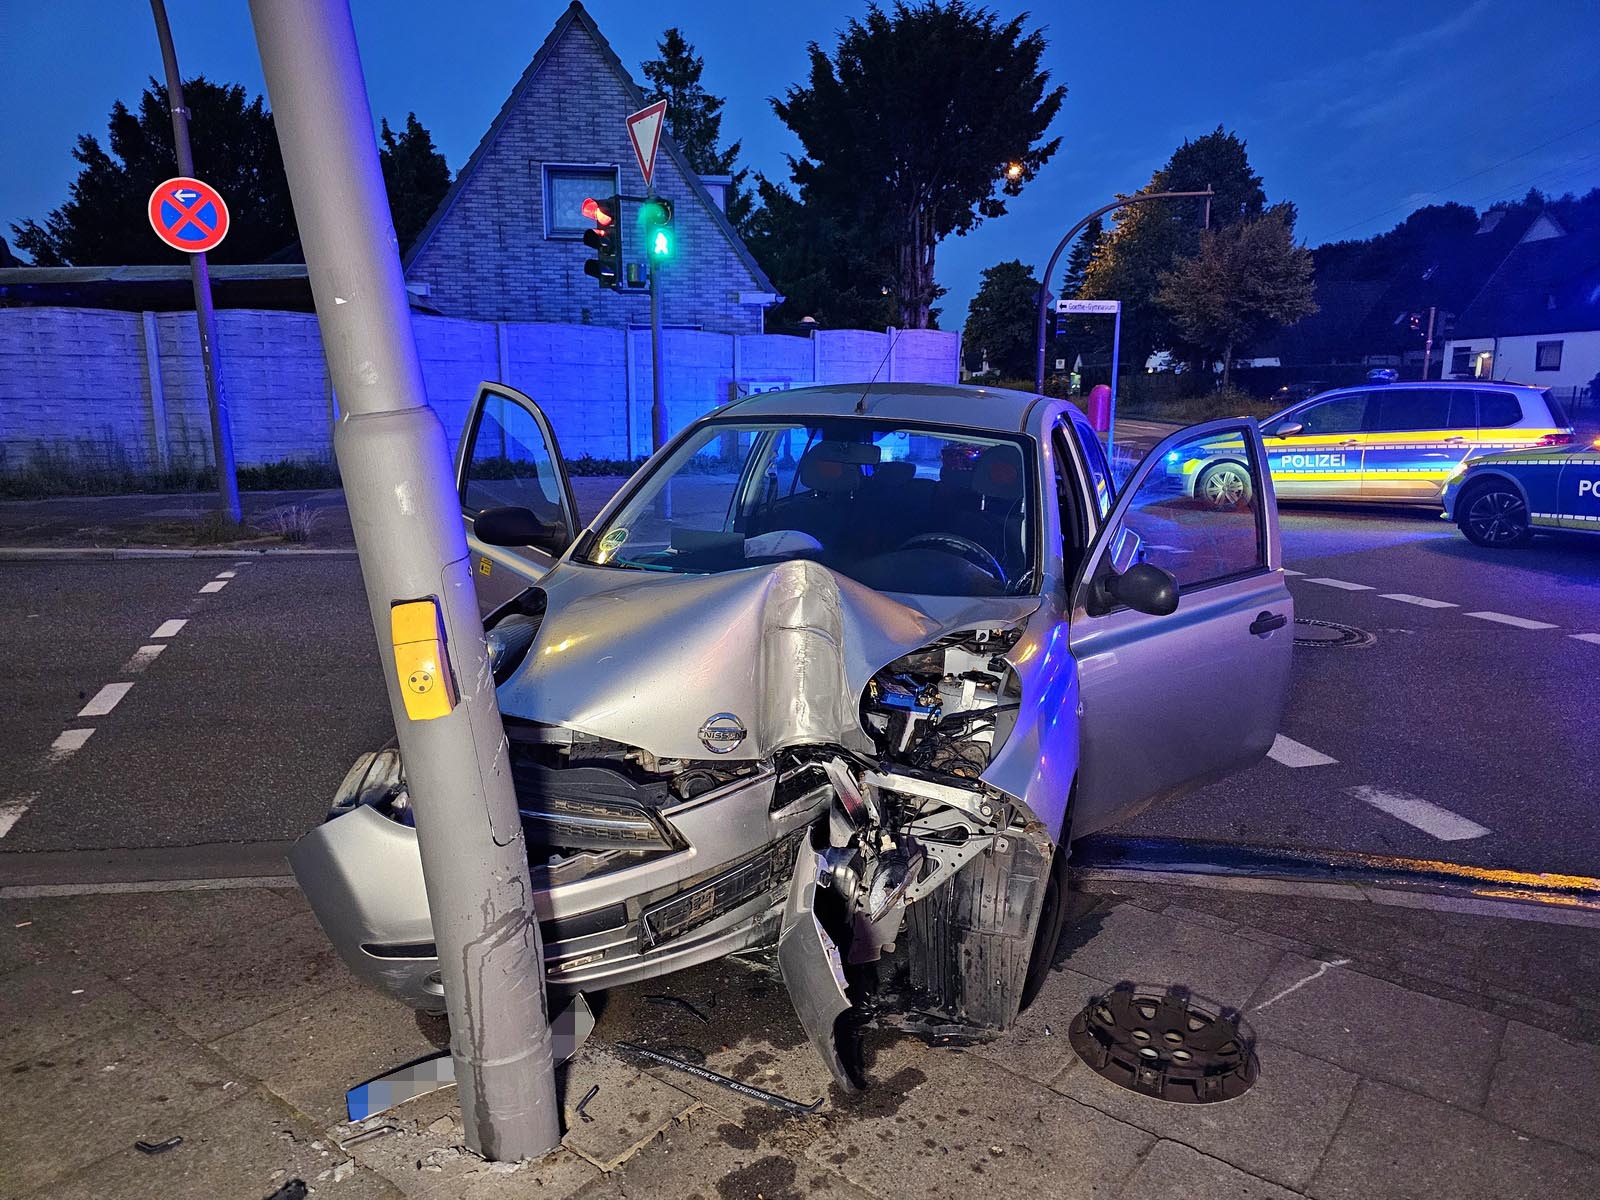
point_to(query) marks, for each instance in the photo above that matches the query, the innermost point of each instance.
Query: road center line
(106, 699)
(226, 574)
(1419, 601)
(142, 658)
(1505, 619)
(1592, 638)
(1342, 585)
(68, 744)
(13, 811)
(1419, 813)
(216, 585)
(169, 628)
(1292, 754)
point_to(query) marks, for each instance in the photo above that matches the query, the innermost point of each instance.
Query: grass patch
(86, 467)
(1191, 410)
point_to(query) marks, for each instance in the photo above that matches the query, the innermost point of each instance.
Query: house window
(565, 189)
(1461, 361)
(1547, 356)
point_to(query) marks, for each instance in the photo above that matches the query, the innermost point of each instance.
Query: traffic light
(655, 215)
(605, 239)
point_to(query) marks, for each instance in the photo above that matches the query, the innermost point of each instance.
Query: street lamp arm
(1044, 280)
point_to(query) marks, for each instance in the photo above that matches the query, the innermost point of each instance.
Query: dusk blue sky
(1358, 111)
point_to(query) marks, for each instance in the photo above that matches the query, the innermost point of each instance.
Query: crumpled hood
(647, 659)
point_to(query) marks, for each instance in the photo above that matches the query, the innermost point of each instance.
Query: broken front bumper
(361, 872)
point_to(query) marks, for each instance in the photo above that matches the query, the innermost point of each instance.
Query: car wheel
(1052, 918)
(972, 942)
(1493, 514)
(1223, 486)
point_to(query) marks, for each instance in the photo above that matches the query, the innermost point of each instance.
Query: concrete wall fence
(126, 389)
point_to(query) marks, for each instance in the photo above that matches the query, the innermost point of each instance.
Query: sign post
(644, 131)
(184, 232)
(1112, 308)
(400, 487)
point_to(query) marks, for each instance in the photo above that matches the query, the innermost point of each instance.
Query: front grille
(688, 910)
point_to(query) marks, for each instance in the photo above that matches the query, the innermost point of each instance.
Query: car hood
(1532, 454)
(783, 650)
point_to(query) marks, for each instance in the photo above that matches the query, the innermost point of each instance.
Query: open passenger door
(1170, 702)
(516, 499)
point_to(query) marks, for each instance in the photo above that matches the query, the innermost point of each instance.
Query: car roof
(997, 409)
(1498, 385)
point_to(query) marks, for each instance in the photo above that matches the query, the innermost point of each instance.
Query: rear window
(1558, 415)
(1497, 409)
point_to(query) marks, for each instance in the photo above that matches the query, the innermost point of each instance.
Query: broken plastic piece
(733, 1085)
(662, 1001)
(584, 1103)
(369, 1135)
(172, 1143)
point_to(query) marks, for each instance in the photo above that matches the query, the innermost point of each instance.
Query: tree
(1080, 256)
(1000, 320)
(1244, 278)
(415, 177)
(235, 149)
(1147, 239)
(694, 118)
(917, 126)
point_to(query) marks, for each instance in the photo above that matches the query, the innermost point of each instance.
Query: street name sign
(1088, 306)
(188, 215)
(644, 131)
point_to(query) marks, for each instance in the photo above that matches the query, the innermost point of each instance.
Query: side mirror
(515, 526)
(1143, 587)
(1286, 429)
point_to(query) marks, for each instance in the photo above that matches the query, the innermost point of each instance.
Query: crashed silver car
(840, 669)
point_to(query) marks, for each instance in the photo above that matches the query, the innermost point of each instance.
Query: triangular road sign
(644, 130)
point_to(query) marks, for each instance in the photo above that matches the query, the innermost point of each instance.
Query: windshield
(896, 507)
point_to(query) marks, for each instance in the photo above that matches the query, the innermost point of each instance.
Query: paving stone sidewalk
(1404, 1052)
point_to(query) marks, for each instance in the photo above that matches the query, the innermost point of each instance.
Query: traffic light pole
(1044, 280)
(398, 483)
(200, 273)
(658, 408)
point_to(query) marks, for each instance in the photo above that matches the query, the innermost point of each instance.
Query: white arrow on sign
(1088, 306)
(644, 130)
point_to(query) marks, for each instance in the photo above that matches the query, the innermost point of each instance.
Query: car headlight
(508, 644)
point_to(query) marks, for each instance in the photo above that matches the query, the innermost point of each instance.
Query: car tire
(1494, 515)
(972, 942)
(1224, 486)
(1052, 920)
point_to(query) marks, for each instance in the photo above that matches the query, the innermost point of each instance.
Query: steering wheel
(961, 547)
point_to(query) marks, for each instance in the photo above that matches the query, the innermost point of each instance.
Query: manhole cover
(1330, 634)
(1164, 1044)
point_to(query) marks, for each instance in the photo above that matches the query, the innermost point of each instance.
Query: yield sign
(188, 215)
(644, 130)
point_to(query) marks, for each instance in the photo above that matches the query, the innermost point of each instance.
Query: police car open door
(510, 466)
(1172, 701)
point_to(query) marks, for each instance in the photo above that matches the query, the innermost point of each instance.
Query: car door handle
(1455, 441)
(1350, 442)
(1266, 622)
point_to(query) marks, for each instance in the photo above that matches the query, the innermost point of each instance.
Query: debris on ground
(661, 1001)
(171, 1143)
(584, 1103)
(710, 1076)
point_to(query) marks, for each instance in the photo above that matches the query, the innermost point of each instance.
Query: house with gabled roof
(506, 241)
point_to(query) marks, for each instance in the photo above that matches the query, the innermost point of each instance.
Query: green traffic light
(660, 245)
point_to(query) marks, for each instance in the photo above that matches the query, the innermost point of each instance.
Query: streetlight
(1014, 170)
(1044, 280)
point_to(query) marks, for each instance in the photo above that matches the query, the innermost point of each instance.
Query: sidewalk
(1404, 1052)
(171, 520)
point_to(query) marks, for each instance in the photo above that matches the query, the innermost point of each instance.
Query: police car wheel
(1226, 485)
(1494, 515)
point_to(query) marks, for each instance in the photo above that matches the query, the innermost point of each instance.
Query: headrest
(898, 472)
(822, 469)
(998, 473)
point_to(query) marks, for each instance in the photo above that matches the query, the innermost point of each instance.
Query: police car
(1388, 443)
(1501, 499)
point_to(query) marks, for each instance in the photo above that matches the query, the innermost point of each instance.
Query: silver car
(842, 669)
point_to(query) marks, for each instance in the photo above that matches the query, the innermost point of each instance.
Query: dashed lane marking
(142, 658)
(1592, 638)
(68, 744)
(1342, 585)
(216, 585)
(1419, 601)
(13, 811)
(1421, 814)
(1292, 754)
(1506, 619)
(226, 574)
(169, 628)
(106, 699)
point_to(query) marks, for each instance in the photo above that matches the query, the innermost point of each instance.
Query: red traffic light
(594, 211)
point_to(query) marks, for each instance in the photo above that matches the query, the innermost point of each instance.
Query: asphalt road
(1454, 735)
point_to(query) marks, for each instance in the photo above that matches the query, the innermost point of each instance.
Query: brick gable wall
(488, 258)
